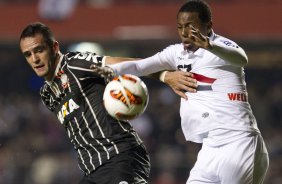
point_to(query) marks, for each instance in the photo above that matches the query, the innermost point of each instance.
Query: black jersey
(75, 95)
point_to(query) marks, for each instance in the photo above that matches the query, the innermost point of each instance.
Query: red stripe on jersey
(202, 78)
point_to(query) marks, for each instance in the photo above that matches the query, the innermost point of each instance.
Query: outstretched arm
(141, 67)
(179, 81)
(114, 60)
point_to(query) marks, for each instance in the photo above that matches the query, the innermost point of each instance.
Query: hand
(181, 82)
(105, 72)
(199, 39)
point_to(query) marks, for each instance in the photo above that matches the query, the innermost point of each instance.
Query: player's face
(184, 22)
(39, 55)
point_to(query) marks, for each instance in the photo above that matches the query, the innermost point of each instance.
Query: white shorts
(244, 161)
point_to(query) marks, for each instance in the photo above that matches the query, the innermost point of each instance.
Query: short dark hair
(39, 28)
(199, 6)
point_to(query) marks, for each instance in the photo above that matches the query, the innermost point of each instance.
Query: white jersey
(220, 105)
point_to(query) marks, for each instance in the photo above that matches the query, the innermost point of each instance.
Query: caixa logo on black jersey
(67, 110)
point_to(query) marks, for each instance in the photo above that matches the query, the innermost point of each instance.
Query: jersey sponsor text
(237, 97)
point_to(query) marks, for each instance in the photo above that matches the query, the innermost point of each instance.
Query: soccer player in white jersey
(219, 115)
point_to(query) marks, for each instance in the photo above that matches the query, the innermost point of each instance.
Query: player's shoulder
(174, 48)
(224, 41)
(74, 57)
(71, 56)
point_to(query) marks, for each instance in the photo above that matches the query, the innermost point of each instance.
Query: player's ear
(56, 47)
(209, 26)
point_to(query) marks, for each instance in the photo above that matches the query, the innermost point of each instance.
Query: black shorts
(129, 167)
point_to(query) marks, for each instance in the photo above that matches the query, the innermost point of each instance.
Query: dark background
(34, 149)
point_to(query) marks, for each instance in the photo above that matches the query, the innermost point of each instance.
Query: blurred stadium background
(34, 148)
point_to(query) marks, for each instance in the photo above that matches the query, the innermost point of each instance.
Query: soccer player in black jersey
(109, 151)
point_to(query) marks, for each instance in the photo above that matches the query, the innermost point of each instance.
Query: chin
(41, 74)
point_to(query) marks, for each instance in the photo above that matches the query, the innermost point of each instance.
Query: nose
(184, 32)
(35, 58)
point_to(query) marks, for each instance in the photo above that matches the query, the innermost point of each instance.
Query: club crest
(65, 81)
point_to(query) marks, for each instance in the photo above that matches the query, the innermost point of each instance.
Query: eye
(185, 26)
(188, 25)
(39, 49)
(27, 54)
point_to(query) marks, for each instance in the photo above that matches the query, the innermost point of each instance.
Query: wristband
(162, 76)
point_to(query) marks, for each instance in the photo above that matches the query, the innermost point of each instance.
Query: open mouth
(189, 46)
(186, 45)
(39, 67)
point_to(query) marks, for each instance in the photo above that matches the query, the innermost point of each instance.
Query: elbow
(239, 61)
(241, 57)
(244, 60)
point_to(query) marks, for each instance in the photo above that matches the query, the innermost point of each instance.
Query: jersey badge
(229, 43)
(64, 79)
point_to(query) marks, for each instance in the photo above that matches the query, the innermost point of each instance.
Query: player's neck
(54, 67)
(191, 48)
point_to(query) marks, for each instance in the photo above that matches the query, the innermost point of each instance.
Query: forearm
(160, 76)
(114, 60)
(140, 68)
(232, 54)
